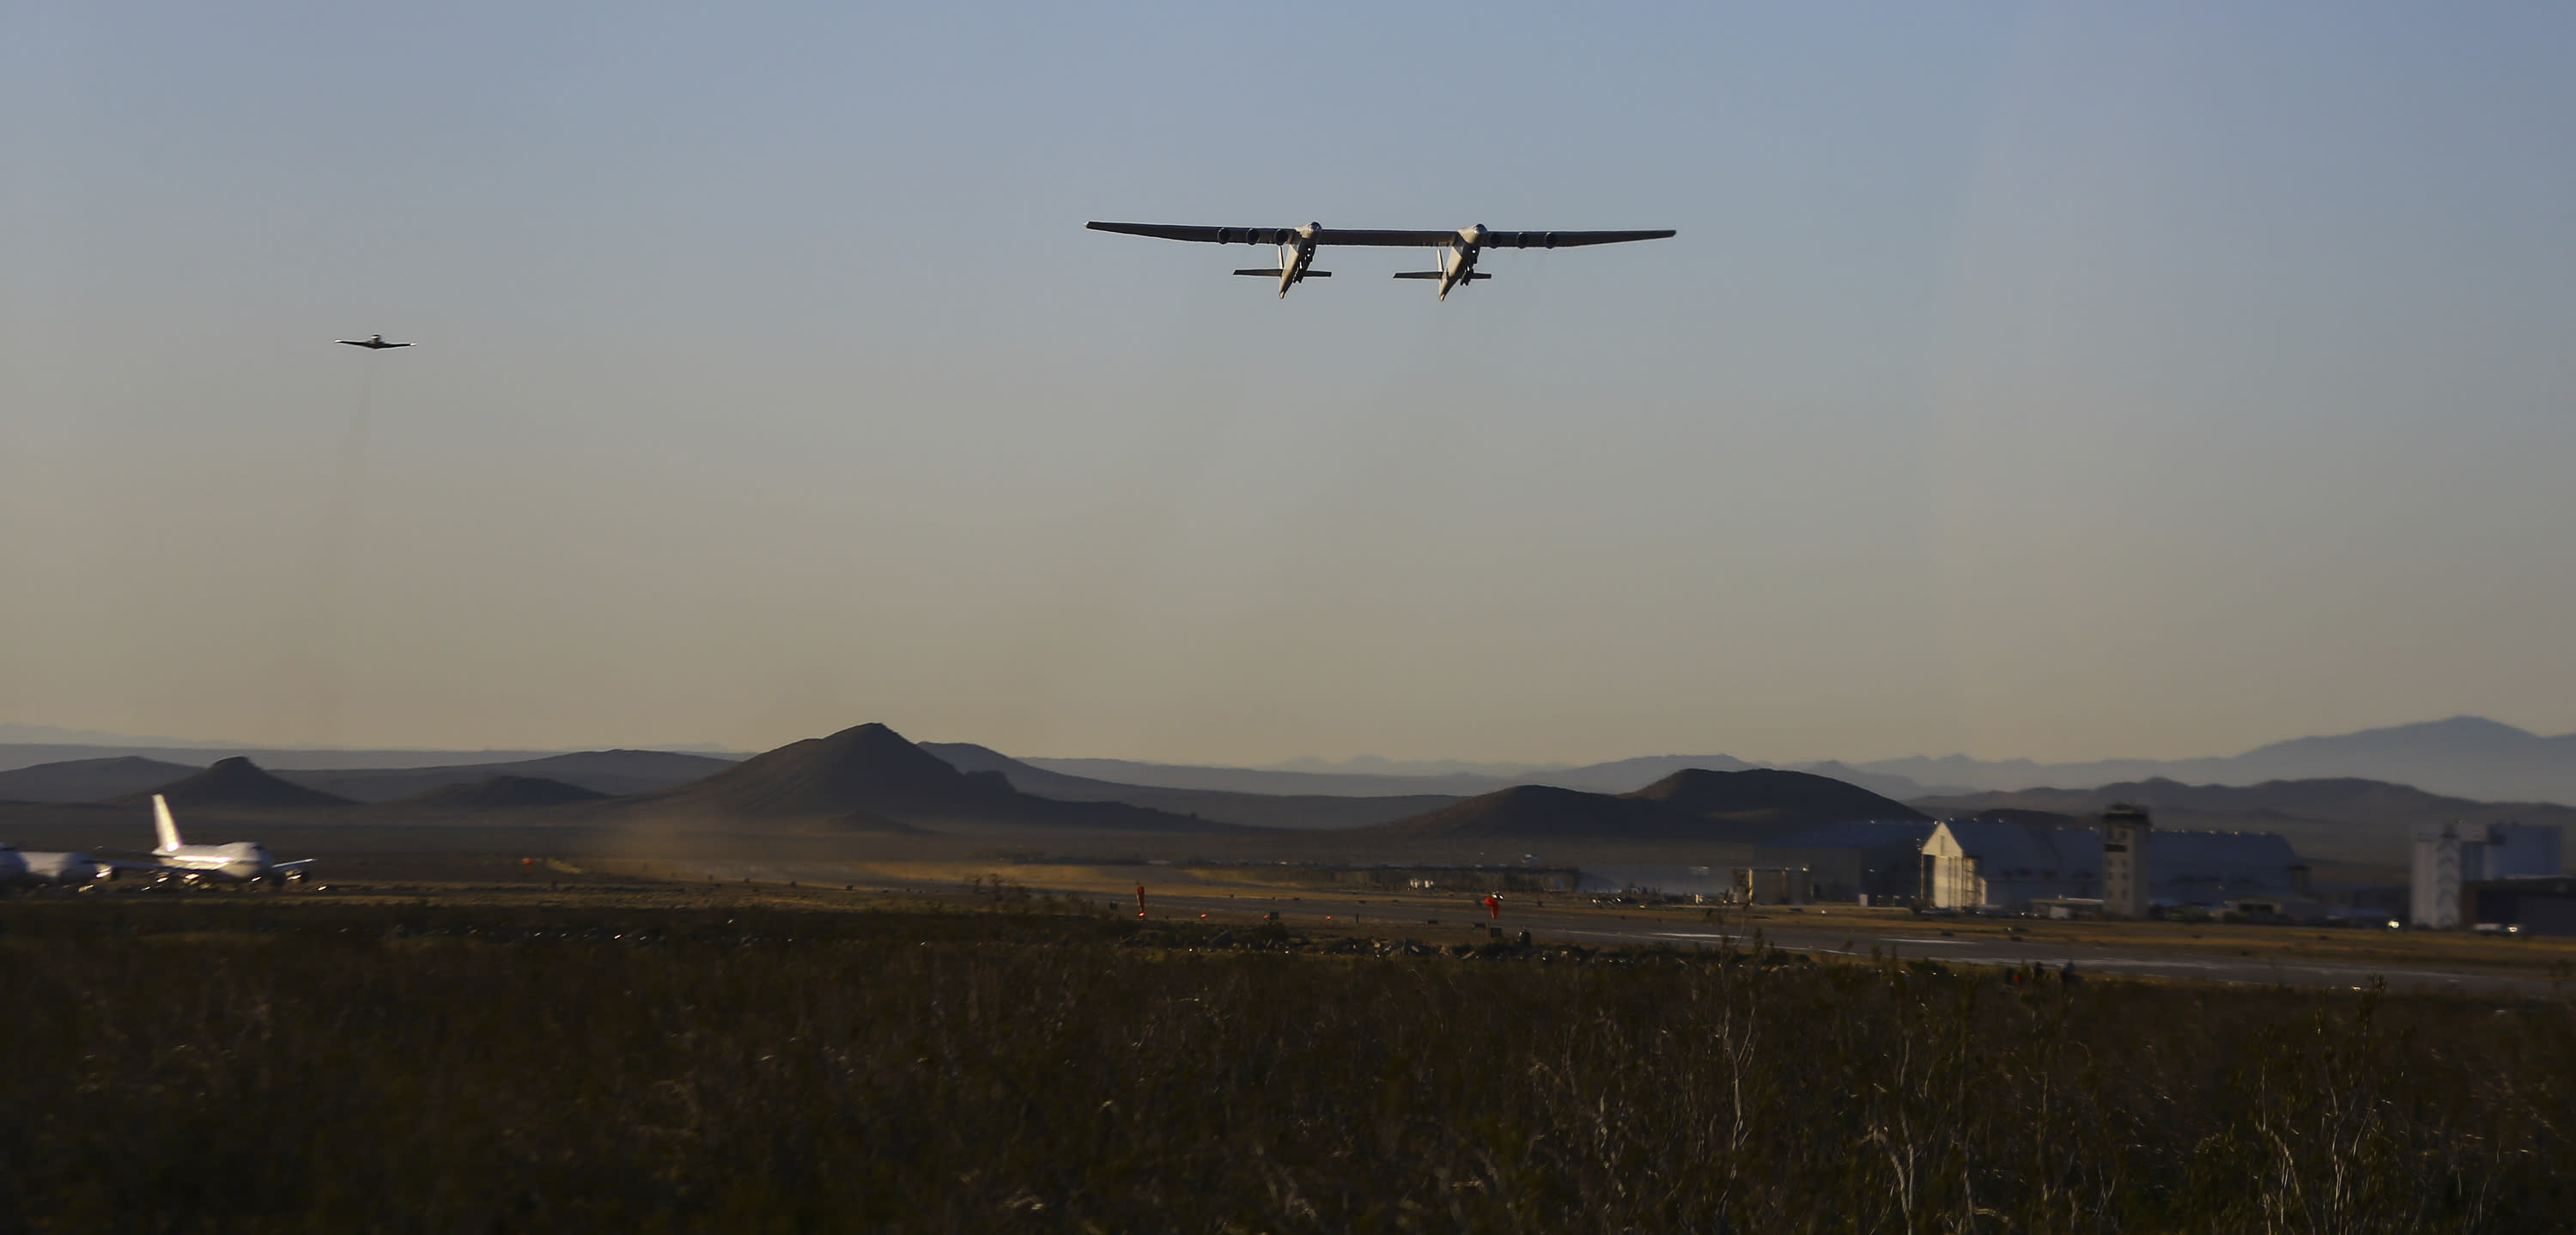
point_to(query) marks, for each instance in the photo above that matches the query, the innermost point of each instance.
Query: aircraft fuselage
(1458, 258)
(244, 860)
(19, 866)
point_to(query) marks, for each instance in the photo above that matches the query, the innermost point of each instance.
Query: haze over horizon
(2027, 381)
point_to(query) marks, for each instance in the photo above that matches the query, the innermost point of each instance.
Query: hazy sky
(2047, 380)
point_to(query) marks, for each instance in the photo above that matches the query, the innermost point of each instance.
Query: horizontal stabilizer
(1433, 274)
(1272, 274)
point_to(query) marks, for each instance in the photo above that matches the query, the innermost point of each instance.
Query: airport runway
(1442, 921)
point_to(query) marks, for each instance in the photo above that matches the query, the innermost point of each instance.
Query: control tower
(2125, 832)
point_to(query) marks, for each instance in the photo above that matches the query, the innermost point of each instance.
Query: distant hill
(237, 784)
(1772, 796)
(89, 780)
(873, 769)
(1262, 810)
(505, 793)
(1748, 806)
(2342, 818)
(612, 772)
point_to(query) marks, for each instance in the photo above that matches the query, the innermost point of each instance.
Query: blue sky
(2058, 381)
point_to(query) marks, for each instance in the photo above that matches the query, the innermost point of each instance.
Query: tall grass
(187, 1066)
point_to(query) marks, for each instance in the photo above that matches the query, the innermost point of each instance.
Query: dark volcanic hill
(505, 793)
(873, 770)
(1692, 804)
(238, 784)
(89, 780)
(1770, 795)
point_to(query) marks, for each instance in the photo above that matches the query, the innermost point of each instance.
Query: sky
(2055, 381)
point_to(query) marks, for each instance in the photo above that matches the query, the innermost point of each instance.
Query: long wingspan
(1374, 238)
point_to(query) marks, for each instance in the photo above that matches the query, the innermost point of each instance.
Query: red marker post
(1140, 900)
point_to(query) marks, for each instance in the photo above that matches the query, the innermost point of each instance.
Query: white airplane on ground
(240, 862)
(22, 866)
(1297, 246)
(375, 344)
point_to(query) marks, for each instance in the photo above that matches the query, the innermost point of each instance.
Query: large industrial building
(2450, 857)
(1872, 861)
(2524, 904)
(1972, 863)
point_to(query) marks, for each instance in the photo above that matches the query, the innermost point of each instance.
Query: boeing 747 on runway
(240, 862)
(1457, 249)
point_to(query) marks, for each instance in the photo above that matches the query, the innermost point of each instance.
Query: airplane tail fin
(1275, 273)
(1476, 276)
(164, 824)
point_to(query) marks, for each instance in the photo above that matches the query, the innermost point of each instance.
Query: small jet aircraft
(240, 862)
(1297, 245)
(27, 866)
(375, 344)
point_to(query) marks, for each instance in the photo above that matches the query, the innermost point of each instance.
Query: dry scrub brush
(197, 1066)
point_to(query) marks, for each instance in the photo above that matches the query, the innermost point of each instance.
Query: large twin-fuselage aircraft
(1457, 249)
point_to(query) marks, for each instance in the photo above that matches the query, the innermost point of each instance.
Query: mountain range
(2464, 756)
(870, 778)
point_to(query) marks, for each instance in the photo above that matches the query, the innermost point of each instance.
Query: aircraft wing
(1373, 238)
(1566, 240)
(1276, 235)
(1380, 239)
(1203, 235)
(296, 865)
(1493, 240)
(122, 865)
